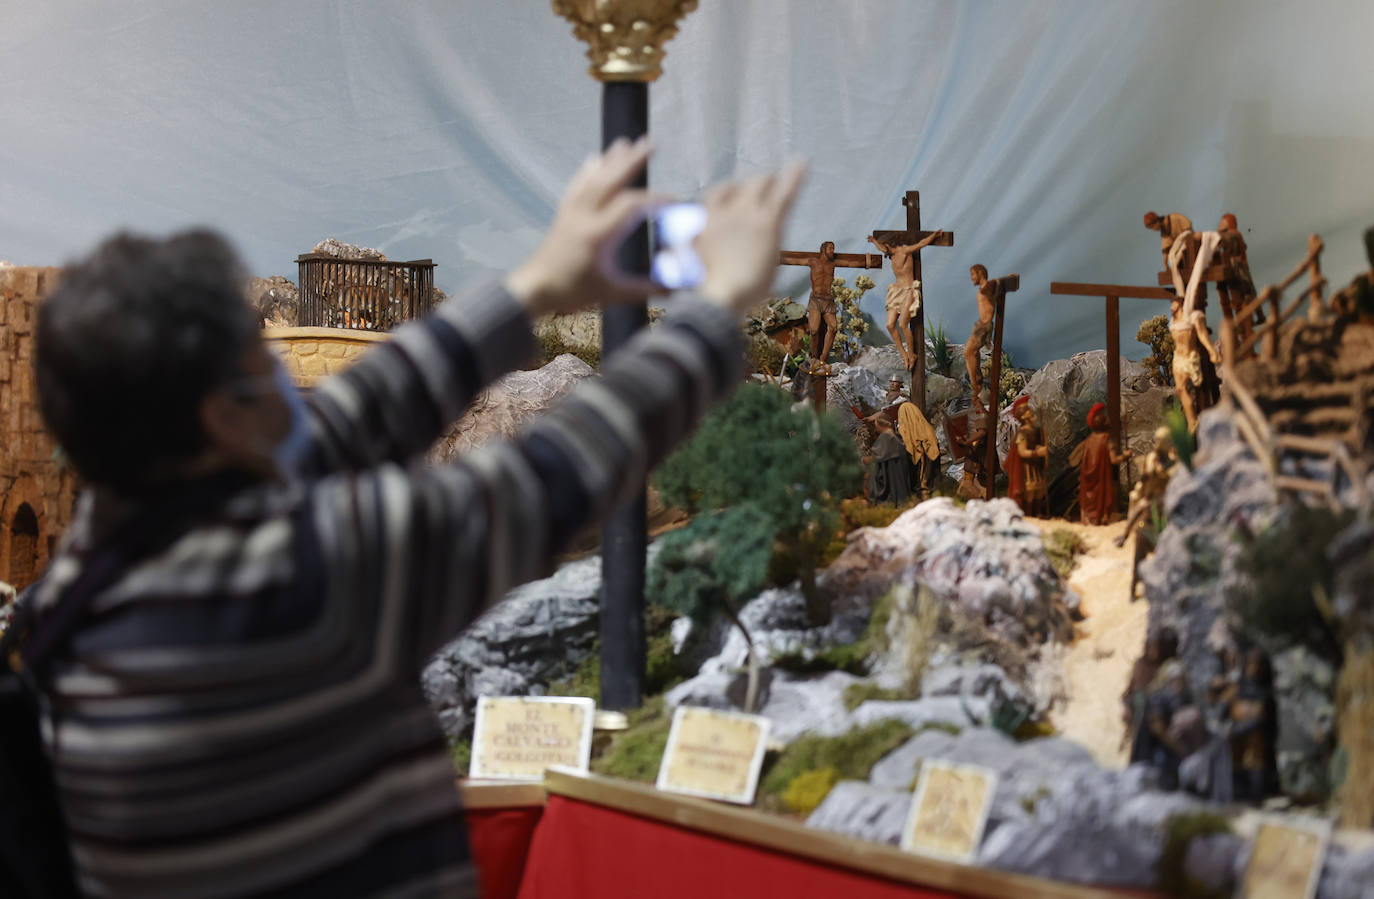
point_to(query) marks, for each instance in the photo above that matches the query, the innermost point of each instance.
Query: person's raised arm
(395, 402)
(924, 242)
(467, 532)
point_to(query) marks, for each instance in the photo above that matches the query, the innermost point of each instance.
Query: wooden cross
(1112, 293)
(1001, 287)
(822, 265)
(914, 234)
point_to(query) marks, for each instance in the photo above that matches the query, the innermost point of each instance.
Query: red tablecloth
(583, 850)
(500, 842)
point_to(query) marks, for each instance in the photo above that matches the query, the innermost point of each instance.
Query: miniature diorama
(896, 612)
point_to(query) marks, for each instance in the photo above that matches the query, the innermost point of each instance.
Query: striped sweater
(241, 714)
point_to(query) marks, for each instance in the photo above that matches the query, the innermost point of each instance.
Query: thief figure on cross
(982, 329)
(823, 321)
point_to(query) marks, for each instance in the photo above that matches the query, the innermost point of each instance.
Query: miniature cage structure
(363, 294)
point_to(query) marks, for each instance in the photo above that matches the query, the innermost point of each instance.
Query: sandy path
(1099, 662)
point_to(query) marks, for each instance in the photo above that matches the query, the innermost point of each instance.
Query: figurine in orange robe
(1097, 458)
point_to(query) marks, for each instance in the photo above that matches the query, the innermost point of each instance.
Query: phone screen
(675, 265)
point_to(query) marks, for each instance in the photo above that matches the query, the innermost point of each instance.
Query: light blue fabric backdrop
(1038, 132)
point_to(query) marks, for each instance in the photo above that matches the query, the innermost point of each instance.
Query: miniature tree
(1154, 333)
(942, 352)
(790, 467)
(1010, 384)
(853, 325)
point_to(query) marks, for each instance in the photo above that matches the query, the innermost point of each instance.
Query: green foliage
(636, 752)
(1287, 563)
(809, 789)
(851, 755)
(1063, 546)
(720, 557)
(779, 474)
(1181, 830)
(1185, 444)
(461, 750)
(942, 352)
(1154, 333)
(853, 323)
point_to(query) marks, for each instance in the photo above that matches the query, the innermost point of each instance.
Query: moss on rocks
(461, 750)
(1063, 546)
(852, 755)
(637, 752)
(856, 695)
(809, 789)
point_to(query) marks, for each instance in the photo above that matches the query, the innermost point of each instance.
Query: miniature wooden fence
(362, 294)
(1273, 296)
(1265, 441)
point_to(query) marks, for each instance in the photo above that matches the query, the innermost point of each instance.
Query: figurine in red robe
(1025, 462)
(1097, 458)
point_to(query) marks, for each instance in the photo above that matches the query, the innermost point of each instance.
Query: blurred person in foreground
(239, 713)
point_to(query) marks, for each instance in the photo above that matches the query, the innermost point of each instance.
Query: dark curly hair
(135, 335)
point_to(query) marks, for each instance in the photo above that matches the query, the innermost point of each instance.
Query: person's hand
(570, 270)
(743, 234)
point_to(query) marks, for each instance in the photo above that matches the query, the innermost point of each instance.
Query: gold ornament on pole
(624, 38)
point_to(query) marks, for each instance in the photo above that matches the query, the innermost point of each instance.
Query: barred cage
(362, 294)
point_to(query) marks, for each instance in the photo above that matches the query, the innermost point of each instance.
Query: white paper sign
(949, 810)
(714, 754)
(518, 737)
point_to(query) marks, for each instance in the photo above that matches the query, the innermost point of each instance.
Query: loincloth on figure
(1187, 366)
(823, 305)
(978, 337)
(903, 298)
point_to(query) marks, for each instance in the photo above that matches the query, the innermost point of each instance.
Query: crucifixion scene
(424, 472)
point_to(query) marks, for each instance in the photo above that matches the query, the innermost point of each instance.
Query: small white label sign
(949, 810)
(714, 754)
(518, 737)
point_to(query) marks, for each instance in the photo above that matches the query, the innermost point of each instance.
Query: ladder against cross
(1113, 293)
(822, 266)
(913, 234)
(1001, 287)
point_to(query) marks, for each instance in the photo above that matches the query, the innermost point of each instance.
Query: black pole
(624, 538)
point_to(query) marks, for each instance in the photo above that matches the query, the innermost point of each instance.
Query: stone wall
(313, 353)
(36, 489)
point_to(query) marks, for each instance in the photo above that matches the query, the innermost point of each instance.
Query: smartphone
(674, 263)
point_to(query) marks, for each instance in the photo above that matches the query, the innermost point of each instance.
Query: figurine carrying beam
(823, 323)
(904, 294)
(1188, 328)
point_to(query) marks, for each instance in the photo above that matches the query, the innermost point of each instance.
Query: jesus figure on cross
(903, 295)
